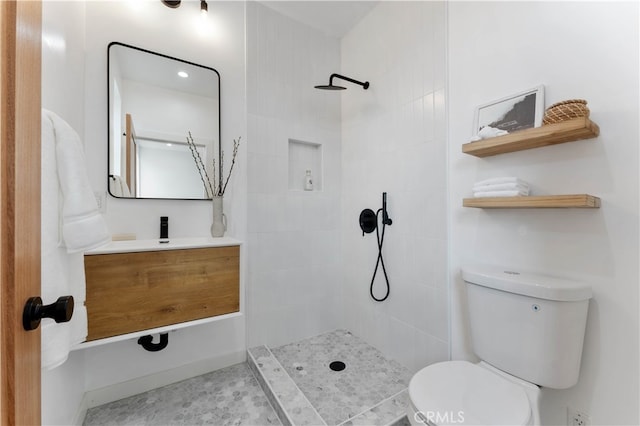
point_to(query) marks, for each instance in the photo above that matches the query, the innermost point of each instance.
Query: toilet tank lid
(527, 284)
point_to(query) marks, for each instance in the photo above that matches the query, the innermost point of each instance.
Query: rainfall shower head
(331, 86)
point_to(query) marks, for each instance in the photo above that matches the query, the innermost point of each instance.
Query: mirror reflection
(155, 101)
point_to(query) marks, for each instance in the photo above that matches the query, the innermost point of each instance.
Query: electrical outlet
(101, 200)
(577, 418)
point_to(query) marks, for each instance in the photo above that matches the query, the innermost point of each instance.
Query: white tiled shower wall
(388, 138)
(393, 140)
(294, 242)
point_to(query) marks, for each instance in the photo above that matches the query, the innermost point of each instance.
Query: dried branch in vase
(211, 186)
(236, 145)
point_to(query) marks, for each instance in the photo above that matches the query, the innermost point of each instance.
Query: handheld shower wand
(385, 216)
(369, 222)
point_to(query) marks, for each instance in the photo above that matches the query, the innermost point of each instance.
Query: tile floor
(368, 379)
(371, 390)
(230, 396)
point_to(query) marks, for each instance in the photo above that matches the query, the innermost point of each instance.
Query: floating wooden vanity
(134, 286)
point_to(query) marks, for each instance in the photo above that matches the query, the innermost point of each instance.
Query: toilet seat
(459, 392)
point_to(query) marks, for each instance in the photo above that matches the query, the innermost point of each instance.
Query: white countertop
(130, 246)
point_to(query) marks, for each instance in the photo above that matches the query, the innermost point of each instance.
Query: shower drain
(337, 366)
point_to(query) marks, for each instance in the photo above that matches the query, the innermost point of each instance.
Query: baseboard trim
(81, 413)
(96, 397)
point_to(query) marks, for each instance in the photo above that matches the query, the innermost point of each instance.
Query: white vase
(219, 223)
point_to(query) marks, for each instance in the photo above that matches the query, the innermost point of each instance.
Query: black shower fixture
(369, 223)
(331, 86)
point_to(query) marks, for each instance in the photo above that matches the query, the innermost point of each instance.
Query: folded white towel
(513, 193)
(62, 272)
(83, 227)
(501, 187)
(497, 180)
(488, 132)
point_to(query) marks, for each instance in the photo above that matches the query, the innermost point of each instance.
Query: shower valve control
(368, 221)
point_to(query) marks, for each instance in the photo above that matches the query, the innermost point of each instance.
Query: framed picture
(517, 112)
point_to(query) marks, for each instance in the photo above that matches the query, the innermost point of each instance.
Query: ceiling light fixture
(183, 74)
(173, 4)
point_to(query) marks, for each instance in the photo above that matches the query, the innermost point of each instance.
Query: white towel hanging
(63, 267)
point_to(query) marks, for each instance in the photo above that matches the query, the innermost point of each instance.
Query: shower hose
(380, 260)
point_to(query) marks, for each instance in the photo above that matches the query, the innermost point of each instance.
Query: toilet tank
(530, 326)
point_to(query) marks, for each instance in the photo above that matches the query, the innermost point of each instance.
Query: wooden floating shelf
(551, 134)
(536, 202)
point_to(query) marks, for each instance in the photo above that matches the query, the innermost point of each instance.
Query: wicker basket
(565, 110)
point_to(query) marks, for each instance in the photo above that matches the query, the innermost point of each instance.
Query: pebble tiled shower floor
(371, 390)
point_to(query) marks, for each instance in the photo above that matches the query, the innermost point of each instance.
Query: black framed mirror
(155, 101)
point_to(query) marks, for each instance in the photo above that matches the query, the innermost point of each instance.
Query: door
(20, 58)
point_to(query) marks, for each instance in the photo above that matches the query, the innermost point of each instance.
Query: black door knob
(60, 311)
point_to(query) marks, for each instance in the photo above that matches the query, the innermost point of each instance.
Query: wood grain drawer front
(128, 292)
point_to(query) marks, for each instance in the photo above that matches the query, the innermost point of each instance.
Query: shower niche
(305, 156)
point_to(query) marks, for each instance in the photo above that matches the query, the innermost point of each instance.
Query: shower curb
(291, 405)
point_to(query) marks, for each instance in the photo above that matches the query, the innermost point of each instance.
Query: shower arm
(365, 85)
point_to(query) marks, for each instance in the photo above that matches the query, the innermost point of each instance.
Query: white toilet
(528, 330)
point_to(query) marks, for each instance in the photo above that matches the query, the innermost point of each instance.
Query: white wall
(393, 140)
(219, 45)
(168, 172)
(170, 115)
(294, 243)
(62, 92)
(217, 42)
(577, 50)
(175, 112)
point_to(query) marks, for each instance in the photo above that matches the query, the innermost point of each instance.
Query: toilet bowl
(528, 331)
(463, 393)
